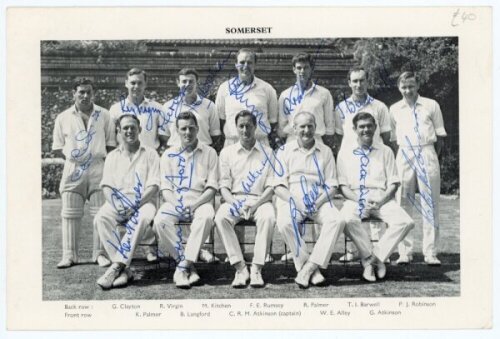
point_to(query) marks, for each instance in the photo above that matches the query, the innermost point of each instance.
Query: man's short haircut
(186, 115)
(407, 75)
(302, 57)
(83, 82)
(304, 113)
(245, 113)
(363, 116)
(249, 51)
(123, 116)
(187, 71)
(139, 71)
(357, 68)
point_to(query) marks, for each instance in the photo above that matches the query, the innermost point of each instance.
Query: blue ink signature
(178, 248)
(309, 198)
(299, 227)
(122, 204)
(364, 160)
(79, 154)
(419, 167)
(238, 89)
(236, 207)
(352, 106)
(254, 175)
(311, 195)
(139, 110)
(292, 100)
(180, 209)
(205, 88)
(174, 109)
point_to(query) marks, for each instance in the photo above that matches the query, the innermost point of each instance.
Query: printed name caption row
(254, 308)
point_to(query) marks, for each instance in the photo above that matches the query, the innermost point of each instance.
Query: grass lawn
(343, 281)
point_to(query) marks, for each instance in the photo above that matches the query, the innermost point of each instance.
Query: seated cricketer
(188, 177)
(369, 180)
(246, 173)
(130, 186)
(305, 190)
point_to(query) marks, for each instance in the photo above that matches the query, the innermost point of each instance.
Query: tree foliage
(435, 60)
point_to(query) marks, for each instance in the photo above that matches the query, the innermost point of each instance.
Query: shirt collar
(145, 101)
(368, 100)
(372, 147)
(121, 148)
(76, 111)
(251, 85)
(199, 147)
(417, 102)
(310, 90)
(295, 146)
(195, 103)
(241, 148)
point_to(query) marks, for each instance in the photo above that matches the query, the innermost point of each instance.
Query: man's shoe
(107, 279)
(303, 276)
(431, 260)
(368, 273)
(348, 257)
(66, 262)
(102, 261)
(207, 257)
(151, 257)
(317, 278)
(240, 278)
(194, 278)
(181, 279)
(380, 269)
(256, 280)
(404, 259)
(287, 257)
(124, 278)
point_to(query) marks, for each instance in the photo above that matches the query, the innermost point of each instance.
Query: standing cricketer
(419, 132)
(247, 92)
(306, 95)
(83, 135)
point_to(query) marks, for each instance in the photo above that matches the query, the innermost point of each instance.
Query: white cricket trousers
(171, 237)
(420, 167)
(121, 249)
(398, 221)
(332, 226)
(265, 220)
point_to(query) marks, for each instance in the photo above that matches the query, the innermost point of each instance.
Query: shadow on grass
(279, 273)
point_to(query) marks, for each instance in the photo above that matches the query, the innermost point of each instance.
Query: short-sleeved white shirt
(316, 100)
(316, 165)
(124, 174)
(421, 124)
(376, 166)
(204, 111)
(347, 109)
(246, 172)
(151, 116)
(189, 173)
(78, 142)
(259, 98)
